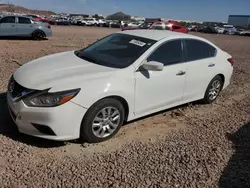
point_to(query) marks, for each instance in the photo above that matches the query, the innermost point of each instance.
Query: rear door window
(196, 50)
(22, 20)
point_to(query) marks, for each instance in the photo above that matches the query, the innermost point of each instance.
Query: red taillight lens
(230, 60)
(48, 26)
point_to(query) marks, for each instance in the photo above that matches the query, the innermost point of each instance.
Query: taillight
(48, 26)
(230, 60)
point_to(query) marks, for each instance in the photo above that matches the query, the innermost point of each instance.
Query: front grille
(15, 89)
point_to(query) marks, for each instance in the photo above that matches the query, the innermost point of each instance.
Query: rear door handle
(181, 73)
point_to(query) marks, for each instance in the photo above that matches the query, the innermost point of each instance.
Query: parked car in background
(192, 28)
(245, 33)
(91, 21)
(208, 29)
(115, 24)
(102, 23)
(62, 22)
(35, 17)
(80, 22)
(42, 18)
(125, 76)
(229, 29)
(134, 24)
(221, 30)
(21, 26)
(160, 25)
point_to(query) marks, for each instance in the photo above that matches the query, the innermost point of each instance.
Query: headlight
(45, 99)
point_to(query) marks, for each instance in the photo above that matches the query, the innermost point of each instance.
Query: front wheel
(102, 121)
(213, 90)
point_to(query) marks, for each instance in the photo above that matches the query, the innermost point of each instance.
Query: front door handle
(211, 65)
(181, 73)
(12, 25)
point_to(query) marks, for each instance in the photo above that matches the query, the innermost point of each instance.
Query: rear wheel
(213, 90)
(38, 35)
(102, 121)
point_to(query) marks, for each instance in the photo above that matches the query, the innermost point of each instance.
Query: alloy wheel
(106, 122)
(214, 90)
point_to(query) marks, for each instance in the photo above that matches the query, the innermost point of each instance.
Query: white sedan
(90, 93)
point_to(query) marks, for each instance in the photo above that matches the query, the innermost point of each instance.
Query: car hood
(58, 69)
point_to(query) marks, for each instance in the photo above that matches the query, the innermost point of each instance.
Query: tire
(213, 90)
(38, 35)
(103, 129)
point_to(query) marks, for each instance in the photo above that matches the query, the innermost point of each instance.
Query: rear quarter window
(196, 49)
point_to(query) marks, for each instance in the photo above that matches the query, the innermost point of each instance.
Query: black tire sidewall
(38, 38)
(86, 133)
(206, 99)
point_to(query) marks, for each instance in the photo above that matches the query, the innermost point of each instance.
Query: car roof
(158, 34)
(12, 15)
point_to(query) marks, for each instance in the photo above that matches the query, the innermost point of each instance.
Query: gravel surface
(190, 146)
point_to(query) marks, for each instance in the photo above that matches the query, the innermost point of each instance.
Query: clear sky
(198, 10)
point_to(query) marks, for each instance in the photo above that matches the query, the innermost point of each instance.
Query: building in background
(239, 20)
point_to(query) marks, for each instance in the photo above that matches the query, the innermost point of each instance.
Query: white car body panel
(145, 93)
(65, 125)
(169, 86)
(50, 70)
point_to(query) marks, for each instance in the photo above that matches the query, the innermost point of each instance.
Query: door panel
(156, 90)
(8, 26)
(199, 75)
(201, 65)
(24, 26)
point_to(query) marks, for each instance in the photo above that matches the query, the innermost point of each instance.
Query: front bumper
(64, 121)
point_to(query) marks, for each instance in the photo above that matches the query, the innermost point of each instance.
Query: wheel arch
(122, 100)
(38, 30)
(222, 77)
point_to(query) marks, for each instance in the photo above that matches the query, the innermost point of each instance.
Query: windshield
(145, 25)
(116, 50)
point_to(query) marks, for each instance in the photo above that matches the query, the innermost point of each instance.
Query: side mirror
(153, 66)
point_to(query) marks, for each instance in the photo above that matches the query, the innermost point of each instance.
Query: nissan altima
(89, 93)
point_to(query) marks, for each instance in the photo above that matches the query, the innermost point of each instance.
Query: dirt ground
(190, 146)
